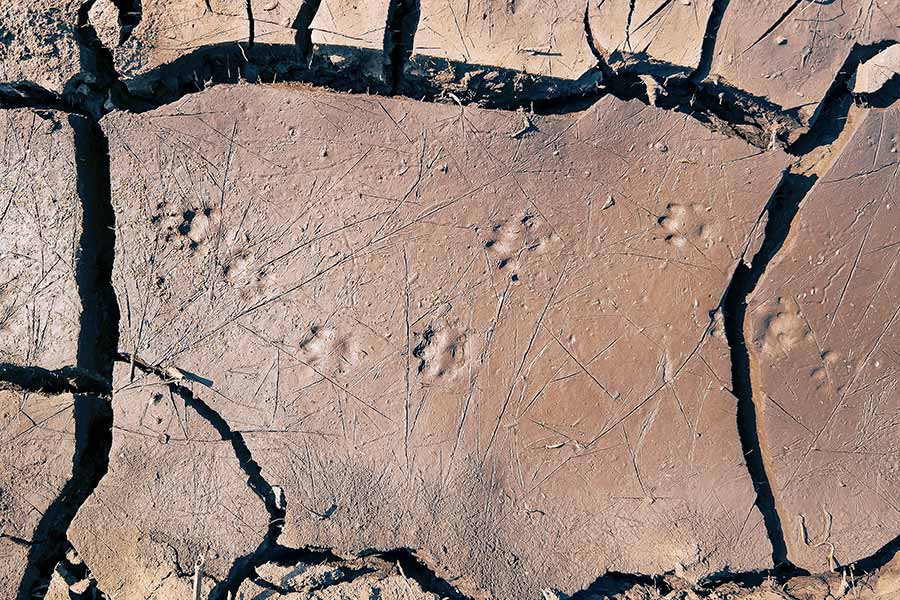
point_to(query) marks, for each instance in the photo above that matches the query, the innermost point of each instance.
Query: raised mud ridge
(98, 90)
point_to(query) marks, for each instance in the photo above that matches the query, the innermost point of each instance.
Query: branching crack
(244, 568)
(782, 208)
(98, 89)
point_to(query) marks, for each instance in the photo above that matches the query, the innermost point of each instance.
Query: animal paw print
(241, 272)
(682, 225)
(441, 352)
(512, 239)
(197, 226)
(325, 350)
(780, 328)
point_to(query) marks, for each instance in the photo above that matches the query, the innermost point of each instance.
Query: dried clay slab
(790, 51)
(175, 492)
(489, 338)
(540, 38)
(40, 229)
(670, 32)
(36, 447)
(824, 330)
(37, 41)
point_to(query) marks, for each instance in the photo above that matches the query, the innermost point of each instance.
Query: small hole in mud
(502, 263)
(515, 277)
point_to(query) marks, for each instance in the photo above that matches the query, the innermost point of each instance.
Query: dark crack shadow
(399, 39)
(97, 346)
(65, 380)
(781, 209)
(302, 26)
(244, 568)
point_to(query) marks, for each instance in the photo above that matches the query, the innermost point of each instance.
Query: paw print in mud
(779, 327)
(509, 241)
(325, 350)
(197, 226)
(685, 225)
(441, 352)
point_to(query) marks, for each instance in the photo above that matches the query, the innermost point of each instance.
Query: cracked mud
(449, 299)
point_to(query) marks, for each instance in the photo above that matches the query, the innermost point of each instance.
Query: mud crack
(302, 26)
(97, 344)
(782, 208)
(65, 380)
(275, 504)
(399, 35)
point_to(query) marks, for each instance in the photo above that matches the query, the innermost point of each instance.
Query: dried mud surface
(442, 299)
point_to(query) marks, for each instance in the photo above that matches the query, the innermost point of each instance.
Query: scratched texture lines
(412, 313)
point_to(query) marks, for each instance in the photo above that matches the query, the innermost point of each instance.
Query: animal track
(194, 225)
(441, 352)
(327, 351)
(241, 272)
(780, 328)
(511, 239)
(682, 225)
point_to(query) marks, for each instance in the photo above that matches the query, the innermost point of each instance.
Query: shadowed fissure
(97, 346)
(244, 568)
(781, 209)
(269, 550)
(829, 128)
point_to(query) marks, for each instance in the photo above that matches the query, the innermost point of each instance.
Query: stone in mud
(873, 74)
(36, 443)
(434, 337)
(822, 328)
(540, 38)
(40, 228)
(790, 51)
(174, 493)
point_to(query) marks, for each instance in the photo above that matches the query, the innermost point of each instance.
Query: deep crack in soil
(243, 568)
(97, 347)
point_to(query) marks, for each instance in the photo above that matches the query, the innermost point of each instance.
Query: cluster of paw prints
(685, 225)
(441, 352)
(194, 231)
(510, 242)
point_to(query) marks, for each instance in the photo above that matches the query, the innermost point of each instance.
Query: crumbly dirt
(422, 299)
